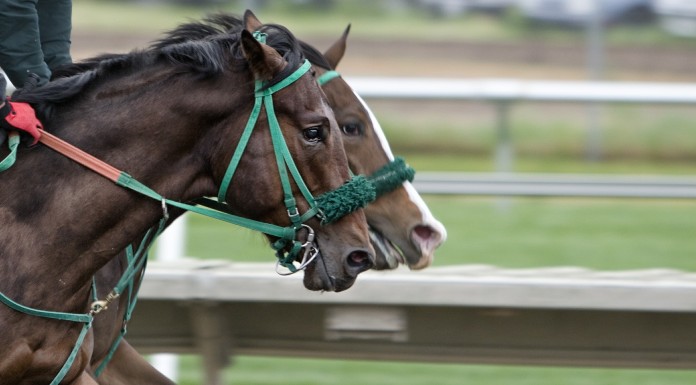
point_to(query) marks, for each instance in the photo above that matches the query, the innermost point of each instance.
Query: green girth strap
(132, 259)
(72, 317)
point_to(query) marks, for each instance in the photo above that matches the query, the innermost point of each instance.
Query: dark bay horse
(172, 119)
(398, 218)
(402, 227)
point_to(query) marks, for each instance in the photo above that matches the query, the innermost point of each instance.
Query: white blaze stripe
(376, 127)
(428, 218)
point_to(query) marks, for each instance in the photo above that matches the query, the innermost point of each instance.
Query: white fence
(502, 93)
(556, 185)
(459, 314)
(516, 90)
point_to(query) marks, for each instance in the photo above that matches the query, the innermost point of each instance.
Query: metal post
(504, 153)
(211, 340)
(171, 246)
(504, 156)
(595, 71)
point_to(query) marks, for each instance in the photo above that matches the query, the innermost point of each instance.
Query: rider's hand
(17, 116)
(20, 117)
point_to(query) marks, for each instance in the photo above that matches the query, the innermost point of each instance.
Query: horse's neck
(66, 222)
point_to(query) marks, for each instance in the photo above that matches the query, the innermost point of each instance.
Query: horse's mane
(221, 24)
(202, 49)
(315, 57)
(225, 23)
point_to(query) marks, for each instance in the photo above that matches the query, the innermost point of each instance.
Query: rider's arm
(18, 116)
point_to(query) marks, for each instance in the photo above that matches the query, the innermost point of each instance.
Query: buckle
(310, 253)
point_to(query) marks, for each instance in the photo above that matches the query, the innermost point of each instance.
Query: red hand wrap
(23, 118)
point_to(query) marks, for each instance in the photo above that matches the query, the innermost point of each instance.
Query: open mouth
(385, 250)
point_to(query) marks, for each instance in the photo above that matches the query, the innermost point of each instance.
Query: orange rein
(79, 156)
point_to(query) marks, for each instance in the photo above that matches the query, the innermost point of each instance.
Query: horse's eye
(352, 129)
(313, 134)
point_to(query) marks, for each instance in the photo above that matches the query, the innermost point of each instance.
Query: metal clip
(97, 306)
(310, 253)
(165, 212)
(310, 235)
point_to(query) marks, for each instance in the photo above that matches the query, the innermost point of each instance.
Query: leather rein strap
(100, 167)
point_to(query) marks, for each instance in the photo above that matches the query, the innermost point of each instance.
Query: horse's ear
(263, 60)
(251, 22)
(335, 53)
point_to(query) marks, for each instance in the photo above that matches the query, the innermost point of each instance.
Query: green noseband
(356, 193)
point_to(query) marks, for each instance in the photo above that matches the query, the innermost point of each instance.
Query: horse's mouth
(318, 277)
(388, 255)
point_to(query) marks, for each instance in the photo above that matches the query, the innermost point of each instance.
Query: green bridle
(329, 207)
(287, 247)
(391, 175)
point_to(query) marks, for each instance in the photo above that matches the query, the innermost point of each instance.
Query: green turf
(591, 233)
(288, 371)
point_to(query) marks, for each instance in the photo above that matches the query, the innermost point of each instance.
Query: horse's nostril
(424, 232)
(359, 259)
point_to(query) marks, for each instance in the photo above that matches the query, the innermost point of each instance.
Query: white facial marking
(427, 216)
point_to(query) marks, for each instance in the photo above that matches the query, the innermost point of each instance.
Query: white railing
(495, 295)
(517, 90)
(504, 92)
(460, 314)
(555, 185)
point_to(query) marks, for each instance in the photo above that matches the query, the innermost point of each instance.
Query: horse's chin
(318, 278)
(390, 256)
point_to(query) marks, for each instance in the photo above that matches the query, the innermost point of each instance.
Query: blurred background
(610, 40)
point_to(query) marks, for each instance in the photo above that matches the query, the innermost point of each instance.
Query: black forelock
(221, 24)
(209, 26)
(284, 42)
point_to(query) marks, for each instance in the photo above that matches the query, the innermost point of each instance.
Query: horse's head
(237, 115)
(310, 132)
(402, 228)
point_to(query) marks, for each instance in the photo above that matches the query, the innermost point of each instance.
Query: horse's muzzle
(320, 276)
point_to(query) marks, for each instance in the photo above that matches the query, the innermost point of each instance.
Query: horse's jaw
(387, 255)
(317, 277)
(408, 235)
(415, 250)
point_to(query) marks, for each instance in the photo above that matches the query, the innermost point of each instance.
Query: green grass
(591, 233)
(289, 371)
(546, 137)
